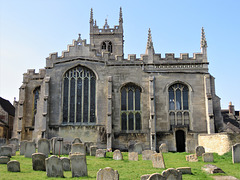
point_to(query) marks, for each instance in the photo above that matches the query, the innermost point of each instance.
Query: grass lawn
(130, 170)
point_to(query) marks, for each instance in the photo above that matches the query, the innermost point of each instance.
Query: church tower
(106, 39)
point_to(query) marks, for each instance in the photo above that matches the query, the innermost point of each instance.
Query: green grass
(129, 170)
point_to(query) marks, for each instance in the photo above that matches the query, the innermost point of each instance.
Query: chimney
(231, 108)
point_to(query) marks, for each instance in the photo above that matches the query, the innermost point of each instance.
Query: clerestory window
(178, 104)
(79, 96)
(131, 107)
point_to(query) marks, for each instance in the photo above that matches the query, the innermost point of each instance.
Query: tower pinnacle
(203, 39)
(149, 48)
(120, 16)
(91, 16)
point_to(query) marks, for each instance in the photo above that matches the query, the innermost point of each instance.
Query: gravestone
(101, 153)
(30, 149)
(66, 163)
(200, 150)
(4, 159)
(147, 155)
(54, 166)
(107, 174)
(22, 147)
(14, 141)
(185, 170)
(78, 165)
(138, 148)
(172, 174)
(207, 157)
(236, 153)
(93, 150)
(163, 148)
(133, 156)
(66, 149)
(192, 158)
(78, 148)
(131, 146)
(58, 146)
(52, 142)
(13, 166)
(88, 145)
(145, 176)
(76, 140)
(6, 151)
(117, 155)
(212, 169)
(44, 146)
(2, 142)
(14, 149)
(156, 176)
(158, 161)
(38, 161)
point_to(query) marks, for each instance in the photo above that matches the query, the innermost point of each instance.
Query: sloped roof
(7, 106)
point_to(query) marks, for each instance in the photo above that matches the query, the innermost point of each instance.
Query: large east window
(79, 96)
(178, 104)
(131, 107)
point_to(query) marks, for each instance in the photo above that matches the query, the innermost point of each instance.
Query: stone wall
(220, 143)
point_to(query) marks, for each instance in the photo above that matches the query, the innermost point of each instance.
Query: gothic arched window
(110, 47)
(178, 104)
(79, 96)
(131, 107)
(36, 94)
(104, 45)
(107, 46)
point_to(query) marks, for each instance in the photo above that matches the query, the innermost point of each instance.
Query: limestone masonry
(92, 92)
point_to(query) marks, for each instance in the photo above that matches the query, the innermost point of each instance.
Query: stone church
(92, 92)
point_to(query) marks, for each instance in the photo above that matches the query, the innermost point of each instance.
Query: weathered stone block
(185, 170)
(78, 165)
(30, 149)
(158, 161)
(107, 174)
(133, 156)
(13, 166)
(54, 166)
(117, 155)
(147, 155)
(66, 163)
(172, 174)
(93, 150)
(200, 150)
(192, 158)
(44, 146)
(22, 147)
(163, 148)
(212, 169)
(38, 161)
(6, 151)
(4, 159)
(101, 153)
(207, 157)
(236, 153)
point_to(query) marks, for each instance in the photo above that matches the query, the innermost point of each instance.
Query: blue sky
(30, 30)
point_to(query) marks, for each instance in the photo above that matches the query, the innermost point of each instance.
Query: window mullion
(69, 88)
(75, 113)
(134, 110)
(82, 96)
(89, 96)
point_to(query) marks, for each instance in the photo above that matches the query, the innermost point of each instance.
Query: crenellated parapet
(32, 75)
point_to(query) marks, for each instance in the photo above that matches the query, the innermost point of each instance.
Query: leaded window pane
(137, 99)
(185, 98)
(65, 101)
(79, 100)
(179, 118)
(138, 121)
(124, 121)
(172, 118)
(123, 100)
(171, 99)
(130, 100)
(130, 121)
(92, 100)
(178, 99)
(72, 100)
(85, 102)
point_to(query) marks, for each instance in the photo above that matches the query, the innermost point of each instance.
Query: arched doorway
(180, 141)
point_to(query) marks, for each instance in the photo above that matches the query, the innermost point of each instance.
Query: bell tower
(107, 39)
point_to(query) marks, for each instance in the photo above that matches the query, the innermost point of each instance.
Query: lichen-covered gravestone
(38, 162)
(78, 148)
(44, 146)
(54, 166)
(133, 156)
(101, 153)
(158, 161)
(147, 155)
(14, 141)
(236, 153)
(172, 174)
(14, 149)
(22, 147)
(66, 149)
(207, 157)
(76, 140)
(4, 159)
(78, 165)
(13, 166)
(107, 174)
(88, 145)
(30, 149)
(117, 155)
(192, 158)
(200, 150)
(93, 150)
(66, 163)
(185, 170)
(6, 151)
(163, 148)
(156, 176)
(212, 169)
(145, 176)
(138, 147)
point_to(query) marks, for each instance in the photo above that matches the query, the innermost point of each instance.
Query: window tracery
(107, 45)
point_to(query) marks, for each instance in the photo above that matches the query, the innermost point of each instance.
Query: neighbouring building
(91, 91)
(7, 114)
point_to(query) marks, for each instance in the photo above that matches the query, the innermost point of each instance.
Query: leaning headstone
(66, 149)
(117, 155)
(30, 149)
(14, 149)
(185, 170)
(107, 174)
(156, 176)
(236, 153)
(200, 150)
(66, 163)
(38, 162)
(147, 155)
(13, 166)
(78, 148)
(93, 150)
(101, 153)
(133, 156)
(6, 151)
(158, 161)
(138, 148)
(192, 158)
(163, 148)
(207, 157)
(14, 141)
(54, 166)
(44, 146)
(78, 165)
(76, 140)
(4, 159)
(212, 169)
(145, 176)
(172, 174)
(22, 147)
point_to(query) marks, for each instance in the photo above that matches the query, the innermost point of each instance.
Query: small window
(104, 45)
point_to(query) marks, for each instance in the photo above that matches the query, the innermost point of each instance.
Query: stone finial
(203, 39)
(149, 48)
(91, 16)
(95, 24)
(106, 26)
(79, 37)
(231, 108)
(120, 16)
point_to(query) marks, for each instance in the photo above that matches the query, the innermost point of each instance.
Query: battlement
(31, 75)
(97, 30)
